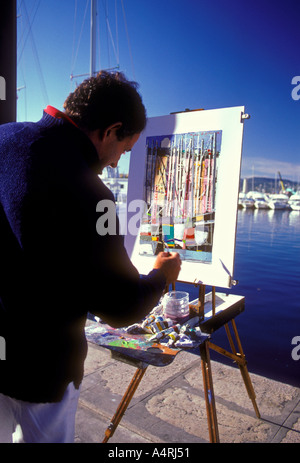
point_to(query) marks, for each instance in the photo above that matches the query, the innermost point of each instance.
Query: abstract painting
(180, 185)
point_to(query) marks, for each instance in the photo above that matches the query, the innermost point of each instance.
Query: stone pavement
(169, 405)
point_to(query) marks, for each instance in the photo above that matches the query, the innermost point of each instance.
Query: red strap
(58, 114)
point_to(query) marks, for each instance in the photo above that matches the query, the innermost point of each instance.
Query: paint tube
(161, 324)
(156, 324)
(173, 336)
(173, 330)
(146, 325)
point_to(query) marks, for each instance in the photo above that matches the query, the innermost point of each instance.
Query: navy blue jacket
(54, 266)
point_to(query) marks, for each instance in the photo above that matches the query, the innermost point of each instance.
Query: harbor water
(267, 267)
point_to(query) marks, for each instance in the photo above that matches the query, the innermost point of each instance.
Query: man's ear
(112, 129)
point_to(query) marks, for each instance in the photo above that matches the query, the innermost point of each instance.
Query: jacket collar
(90, 155)
(58, 114)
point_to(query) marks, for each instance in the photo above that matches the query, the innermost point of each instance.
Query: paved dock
(169, 406)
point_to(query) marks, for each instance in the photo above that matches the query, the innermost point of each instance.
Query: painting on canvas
(185, 171)
(180, 183)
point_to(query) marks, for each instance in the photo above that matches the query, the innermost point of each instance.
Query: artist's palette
(135, 346)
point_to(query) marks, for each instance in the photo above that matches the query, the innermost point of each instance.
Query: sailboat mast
(93, 38)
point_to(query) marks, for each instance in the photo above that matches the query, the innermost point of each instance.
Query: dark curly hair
(106, 99)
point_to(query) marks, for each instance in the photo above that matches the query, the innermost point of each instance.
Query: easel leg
(124, 403)
(240, 359)
(209, 394)
(242, 365)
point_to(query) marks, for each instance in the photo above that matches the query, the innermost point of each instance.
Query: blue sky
(184, 54)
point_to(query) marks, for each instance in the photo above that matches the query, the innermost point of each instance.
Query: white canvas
(179, 146)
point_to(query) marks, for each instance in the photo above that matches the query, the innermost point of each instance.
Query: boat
(261, 203)
(294, 202)
(248, 203)
(259, 199)
(245, 202)
(278, 201)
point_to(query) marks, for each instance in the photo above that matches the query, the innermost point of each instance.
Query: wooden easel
(237, 354)
(137, 377)
(207, 326)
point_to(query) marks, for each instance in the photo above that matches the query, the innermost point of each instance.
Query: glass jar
(176, 306)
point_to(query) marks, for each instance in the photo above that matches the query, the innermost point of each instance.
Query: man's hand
(170, 264)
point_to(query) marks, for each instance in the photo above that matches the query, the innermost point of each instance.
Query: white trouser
(25, 422)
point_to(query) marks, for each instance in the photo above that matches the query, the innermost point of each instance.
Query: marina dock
(169, 406)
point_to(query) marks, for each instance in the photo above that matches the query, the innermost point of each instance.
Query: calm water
(267, 266)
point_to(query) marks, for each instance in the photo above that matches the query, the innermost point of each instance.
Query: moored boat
(245, 202)
(259, 199)
(261, 203)
(294, 202)
(278, 201)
